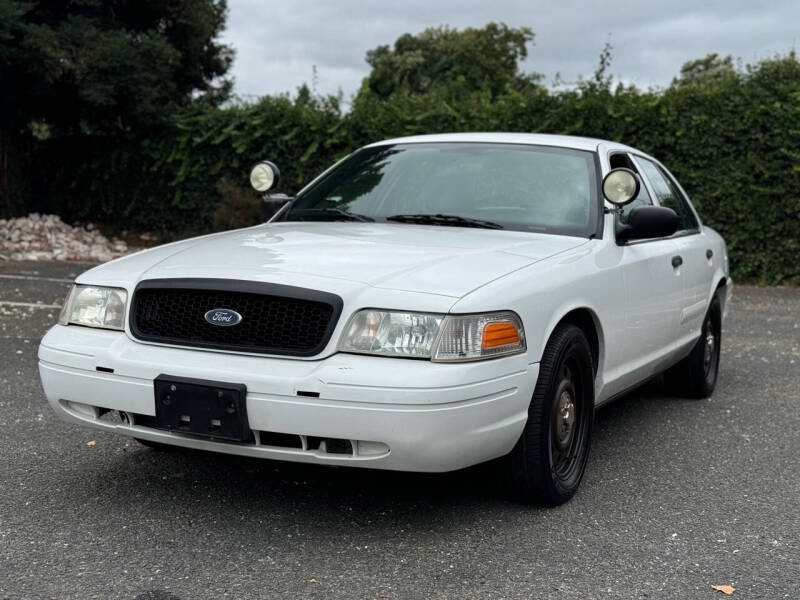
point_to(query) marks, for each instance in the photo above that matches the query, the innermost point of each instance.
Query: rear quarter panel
(721, 269)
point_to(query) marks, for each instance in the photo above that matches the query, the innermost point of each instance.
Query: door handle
(709, 253)
(677, 261)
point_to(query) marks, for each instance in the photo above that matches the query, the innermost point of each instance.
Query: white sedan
(426, 304)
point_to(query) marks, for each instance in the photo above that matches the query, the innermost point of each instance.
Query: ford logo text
(223, 317)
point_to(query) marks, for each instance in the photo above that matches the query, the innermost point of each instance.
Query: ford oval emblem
(223, 317)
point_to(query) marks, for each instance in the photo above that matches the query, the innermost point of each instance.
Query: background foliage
(731, 136)
(80, 77)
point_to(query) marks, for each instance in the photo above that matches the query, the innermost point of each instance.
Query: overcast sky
(278, 43)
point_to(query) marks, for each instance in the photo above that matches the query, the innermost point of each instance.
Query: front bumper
(398, 414)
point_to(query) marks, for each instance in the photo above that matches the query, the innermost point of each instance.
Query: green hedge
(169, 181)
(734, 143)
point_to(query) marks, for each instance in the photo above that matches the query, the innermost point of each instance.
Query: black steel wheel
(548, 461)
(696, 375)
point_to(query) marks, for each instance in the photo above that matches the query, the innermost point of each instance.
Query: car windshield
(497, 186)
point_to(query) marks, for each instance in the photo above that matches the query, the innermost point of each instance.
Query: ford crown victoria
(426, 304)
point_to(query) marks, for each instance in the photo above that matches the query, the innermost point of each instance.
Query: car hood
(446, 261)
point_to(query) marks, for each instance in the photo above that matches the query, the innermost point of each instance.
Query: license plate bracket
(212, 409)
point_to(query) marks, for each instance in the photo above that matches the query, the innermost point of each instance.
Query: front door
(695, 255)
(654, 293)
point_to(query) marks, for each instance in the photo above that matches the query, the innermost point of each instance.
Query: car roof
(537, 139)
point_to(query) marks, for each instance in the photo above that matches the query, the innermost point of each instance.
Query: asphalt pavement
(679, 495)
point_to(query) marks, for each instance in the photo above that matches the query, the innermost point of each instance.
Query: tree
(104, 67)
(451, 61)
(709, 70)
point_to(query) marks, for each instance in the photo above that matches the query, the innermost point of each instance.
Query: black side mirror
(648, 222)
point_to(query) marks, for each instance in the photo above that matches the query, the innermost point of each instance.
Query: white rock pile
(47, 237)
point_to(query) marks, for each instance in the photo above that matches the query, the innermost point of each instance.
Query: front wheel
(548, 461)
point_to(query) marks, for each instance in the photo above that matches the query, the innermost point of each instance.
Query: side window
(668, 194)
(617, 161)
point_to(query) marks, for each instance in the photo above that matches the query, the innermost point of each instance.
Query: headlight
(442, 338)
(391, 333)
(94, 306)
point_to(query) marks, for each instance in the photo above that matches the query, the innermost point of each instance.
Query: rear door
(695, 253)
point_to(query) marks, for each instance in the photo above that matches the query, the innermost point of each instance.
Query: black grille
(276, 319)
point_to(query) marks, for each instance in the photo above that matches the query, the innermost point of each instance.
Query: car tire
(547, 463)
(696, 375)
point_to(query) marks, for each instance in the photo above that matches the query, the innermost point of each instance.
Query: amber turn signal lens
(499, 334)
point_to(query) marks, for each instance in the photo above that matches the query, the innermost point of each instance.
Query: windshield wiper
(447, 220)
(333, 214)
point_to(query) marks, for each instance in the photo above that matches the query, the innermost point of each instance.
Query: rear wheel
(548, 461)
(696, 375)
